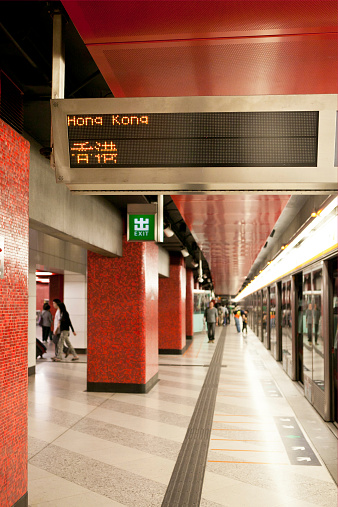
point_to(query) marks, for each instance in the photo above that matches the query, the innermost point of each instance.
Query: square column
(14, 301)
(123, 320)
(190, 304)
(172, 308)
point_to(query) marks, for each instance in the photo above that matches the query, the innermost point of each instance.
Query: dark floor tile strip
(185, 486)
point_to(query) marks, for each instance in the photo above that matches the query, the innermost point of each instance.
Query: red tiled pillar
(14, 230)
(190, 304)
(171, 308)
(123, 320)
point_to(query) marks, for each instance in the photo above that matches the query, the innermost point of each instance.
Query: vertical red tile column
(190, 304)
(123, 320)
(172, 308)
(14, 230)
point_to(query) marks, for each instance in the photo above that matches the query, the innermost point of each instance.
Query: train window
(259, 315)
(307, 319)
(264, 318)
(317, 336)
(287, 327)
(273, 333)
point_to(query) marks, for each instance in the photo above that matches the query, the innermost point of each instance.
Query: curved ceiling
(230, 230)
(149, 48)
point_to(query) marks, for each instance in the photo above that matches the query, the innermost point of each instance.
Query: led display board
(228, 139)
(192, 144)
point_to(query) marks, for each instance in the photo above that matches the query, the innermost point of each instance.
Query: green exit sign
(141, 227)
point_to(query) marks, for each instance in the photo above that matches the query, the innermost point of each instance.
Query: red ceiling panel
(260, 66)
(231, 230)
(154, 20)
(241, 47)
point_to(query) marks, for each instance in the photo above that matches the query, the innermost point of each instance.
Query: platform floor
(267, 447)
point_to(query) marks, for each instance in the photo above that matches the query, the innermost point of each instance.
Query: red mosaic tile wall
(171, 307)
(42, 293)
(55, 291)
(14, 193)
(123, 315)
(190, 303)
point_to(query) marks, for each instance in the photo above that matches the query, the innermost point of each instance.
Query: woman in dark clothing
(46, 321)
(65, 324)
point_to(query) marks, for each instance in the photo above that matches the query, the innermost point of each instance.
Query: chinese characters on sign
(103, 152)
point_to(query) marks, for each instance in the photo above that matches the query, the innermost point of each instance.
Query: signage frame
(191, 180)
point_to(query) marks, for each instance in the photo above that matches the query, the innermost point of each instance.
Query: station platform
(224, 426)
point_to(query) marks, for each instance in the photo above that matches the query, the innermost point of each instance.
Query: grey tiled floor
(101, 449)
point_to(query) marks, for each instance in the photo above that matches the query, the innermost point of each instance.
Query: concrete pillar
(172, 308)
(190, 304)
(122, 327)
(14, 233)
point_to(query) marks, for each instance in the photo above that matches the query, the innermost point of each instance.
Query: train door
(334, 336)
(316, 340)
(333, 331)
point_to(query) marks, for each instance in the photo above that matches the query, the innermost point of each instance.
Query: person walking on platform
(220, 310)
(245, 322)
(65, 324)
(211, 317)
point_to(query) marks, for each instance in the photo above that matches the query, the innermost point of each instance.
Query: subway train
(294, 313)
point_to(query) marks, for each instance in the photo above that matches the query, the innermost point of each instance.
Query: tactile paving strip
(185, 486)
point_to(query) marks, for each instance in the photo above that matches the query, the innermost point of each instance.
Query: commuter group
(217, 314)
(61, 330)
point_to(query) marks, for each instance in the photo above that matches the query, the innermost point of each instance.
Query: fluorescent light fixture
(42, 280)
(319, 237)
(185, 252)
(43, 273)
(168, 231)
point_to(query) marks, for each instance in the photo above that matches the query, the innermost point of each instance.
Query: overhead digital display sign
(166, 145)
(212, 139)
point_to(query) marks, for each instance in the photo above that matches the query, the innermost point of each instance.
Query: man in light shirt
(57, 319)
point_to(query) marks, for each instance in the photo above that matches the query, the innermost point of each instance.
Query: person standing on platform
(65, 324)
(46, 322)
(211, 317)
(238, 320)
